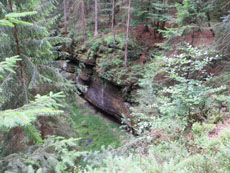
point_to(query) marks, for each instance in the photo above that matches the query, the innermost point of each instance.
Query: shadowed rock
(106, 97)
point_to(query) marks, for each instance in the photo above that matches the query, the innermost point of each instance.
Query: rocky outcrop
(105, 96)
(106, 82)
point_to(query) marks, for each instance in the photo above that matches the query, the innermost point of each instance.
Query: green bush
(189, 95)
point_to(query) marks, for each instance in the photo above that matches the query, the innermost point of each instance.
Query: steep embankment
(97, 68)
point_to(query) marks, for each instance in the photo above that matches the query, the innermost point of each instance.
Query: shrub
(189, 96)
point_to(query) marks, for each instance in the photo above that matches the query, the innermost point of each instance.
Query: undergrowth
(95, 132)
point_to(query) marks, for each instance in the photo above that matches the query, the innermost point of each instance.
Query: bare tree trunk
(88, 6)
(96, 19)
(209, 24)
(83, 19)
(193, 37)
(65, 15)
(113, 18)
(127, 36)
(19, 54)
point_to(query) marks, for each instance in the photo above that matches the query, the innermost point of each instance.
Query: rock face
(105, 96)
(103, 73)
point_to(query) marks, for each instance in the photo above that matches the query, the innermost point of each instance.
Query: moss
(95, 132)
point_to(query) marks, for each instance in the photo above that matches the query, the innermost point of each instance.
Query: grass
(95, 132)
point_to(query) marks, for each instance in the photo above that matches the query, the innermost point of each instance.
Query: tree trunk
(88, 6)
(65, 16)
(83, 19)
(209, 24)
(19, 54)
(193, 37)
(96, 19)
(113, 18)
(127, 36)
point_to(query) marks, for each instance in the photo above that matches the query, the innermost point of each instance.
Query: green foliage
(16, 15)
(4, 22)
(57, 154)
(166, 157)
(8, 65)
(37, 45)
(207, 154)
(10, 19)
(189, 94)
(173, 34)
(152, 13)
(175, 92)
(192, 16)
(112, 68)
(109, 59)
(32, 31)
(221, 8)
(33, 134)
(193, 12)
(95, 132)
(224, 35)
(42, 106)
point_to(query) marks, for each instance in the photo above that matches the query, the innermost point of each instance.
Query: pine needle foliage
(57, 154)
(7, 66)
(42, 106)
(224, 36)
(38, 47)
(192, 17)
(150, 12)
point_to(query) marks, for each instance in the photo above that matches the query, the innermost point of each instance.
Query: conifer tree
(34, 45)
(19, 54)
(194, 15)
(83, 19)
(113, 20)
(127, 35)
(42, 106)
(96, 19)
(105, 12)
(65, 15)
(151, 13)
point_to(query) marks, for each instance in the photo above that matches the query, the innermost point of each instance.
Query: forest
(114, 86)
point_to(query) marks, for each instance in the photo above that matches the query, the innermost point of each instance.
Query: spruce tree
(127, 35)
(32, 41)
(151, 13)
(42, 106)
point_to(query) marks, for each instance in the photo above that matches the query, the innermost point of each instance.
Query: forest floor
(201, 38)
(95, 128)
